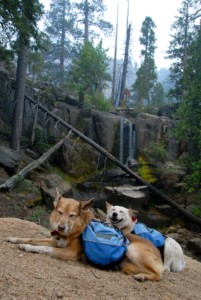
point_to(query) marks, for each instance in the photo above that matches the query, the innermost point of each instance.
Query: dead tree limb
(10, 183)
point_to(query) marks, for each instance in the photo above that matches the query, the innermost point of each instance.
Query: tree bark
(11, 182)
(18, 108)
(86, 22)
(125, 65)
(34, 126)
(113, 94)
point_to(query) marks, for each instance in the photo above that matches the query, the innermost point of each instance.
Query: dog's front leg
(39, 242)
(61, 253)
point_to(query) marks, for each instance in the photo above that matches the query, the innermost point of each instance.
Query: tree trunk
(61, 79)
(18, 108)
(86, 22)
(34, 126)
(125, 65)
(113, 96)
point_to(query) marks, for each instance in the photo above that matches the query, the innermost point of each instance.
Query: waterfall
(126, 141)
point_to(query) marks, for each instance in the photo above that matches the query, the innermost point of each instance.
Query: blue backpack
(104, 246)
(150, 234)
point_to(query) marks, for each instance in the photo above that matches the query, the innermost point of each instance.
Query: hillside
(39, 277)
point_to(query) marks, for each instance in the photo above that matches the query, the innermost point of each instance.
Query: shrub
(145, 171)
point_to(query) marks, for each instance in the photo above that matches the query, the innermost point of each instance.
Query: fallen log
(11, 182)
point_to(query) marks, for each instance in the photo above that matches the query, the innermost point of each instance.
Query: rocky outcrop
(102, 127)
(151, 130)
(68, 113)
(78, 159)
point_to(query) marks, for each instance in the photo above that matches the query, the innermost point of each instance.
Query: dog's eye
(71, 215)
(121, 211)
(60, 212)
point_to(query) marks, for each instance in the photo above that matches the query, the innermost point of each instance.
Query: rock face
(78, 159)
(151, 130)
(104, 128)
(69, 114)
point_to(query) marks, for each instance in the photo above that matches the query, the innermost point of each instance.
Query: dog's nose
(114, 214)
(61, 228)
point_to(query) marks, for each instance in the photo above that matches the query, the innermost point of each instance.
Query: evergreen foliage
(189, 112)
(157, 95)
(146, 74)
(182, 33)
(89, 74)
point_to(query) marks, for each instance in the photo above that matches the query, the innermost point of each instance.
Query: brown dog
(69, 219)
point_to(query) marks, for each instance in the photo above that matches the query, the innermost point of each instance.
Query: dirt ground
(29, 276)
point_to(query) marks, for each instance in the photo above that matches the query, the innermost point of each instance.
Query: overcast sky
(163, 14)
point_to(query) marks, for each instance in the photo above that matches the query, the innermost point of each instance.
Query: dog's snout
(61, 227)
(114, 214)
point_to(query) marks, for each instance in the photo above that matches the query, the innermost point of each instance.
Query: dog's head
(120, 216)
(69, 215)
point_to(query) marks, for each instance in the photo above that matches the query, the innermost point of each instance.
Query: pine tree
(89, 74)
(146, 74)
(182, 36)
(189, 112)
(157, 95)
(60, 28)
(21, 17)
(91, 14)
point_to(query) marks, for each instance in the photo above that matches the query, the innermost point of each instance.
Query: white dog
(124, 219)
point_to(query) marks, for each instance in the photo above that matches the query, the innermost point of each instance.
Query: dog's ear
(86, 204)
(132, 212)
(108, 205)
(57, 197)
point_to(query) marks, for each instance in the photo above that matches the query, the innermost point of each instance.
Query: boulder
(48, 185)
(67, 113)
(78, 159)
(102, 128)
(127, 195)
(194, 245)
(9, 159)
(151, 130)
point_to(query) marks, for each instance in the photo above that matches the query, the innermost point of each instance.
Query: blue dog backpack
(150, 234)
(104, 246)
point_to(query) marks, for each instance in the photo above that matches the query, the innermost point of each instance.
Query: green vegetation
(39, 215)
(155, 153)
(89, 74)
(26, 185)
(42, 140)
(98, 102)
(145, 170)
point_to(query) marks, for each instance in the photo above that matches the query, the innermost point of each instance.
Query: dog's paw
(11, 240)
(26, 247)
(139, 277)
